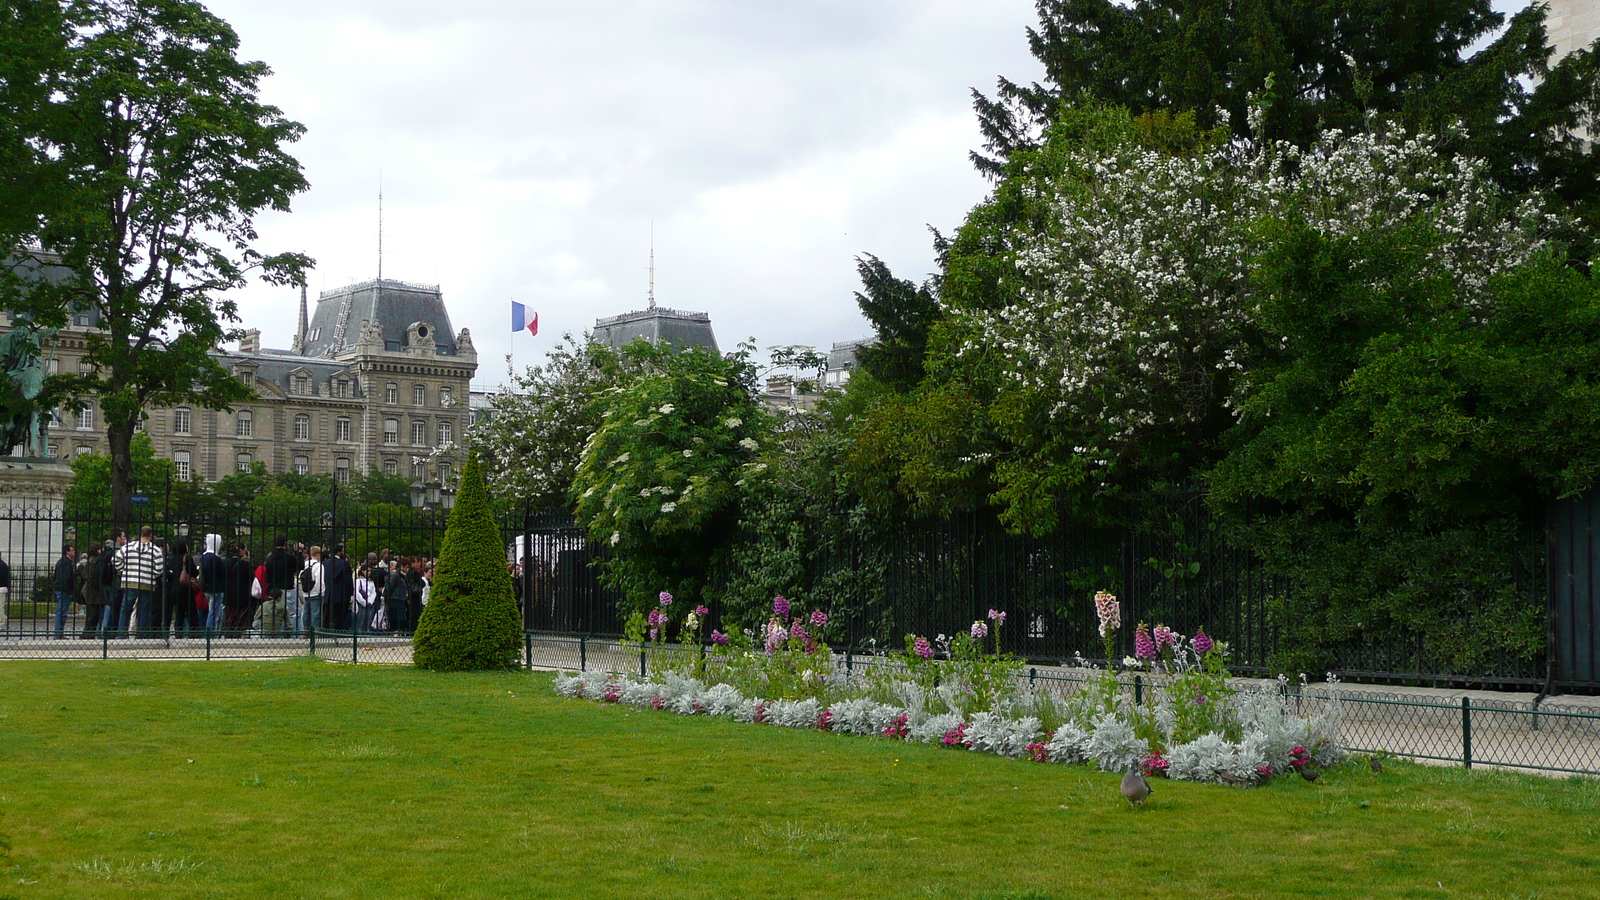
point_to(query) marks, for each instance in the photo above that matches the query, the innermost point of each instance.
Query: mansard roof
(395, 305)
(657, 325)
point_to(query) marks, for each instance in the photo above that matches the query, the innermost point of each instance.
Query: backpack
(258, 585)
(306, 581)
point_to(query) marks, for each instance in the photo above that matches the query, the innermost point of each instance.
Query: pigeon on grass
(1374, 764)
(1134, 787)
(1307, 774)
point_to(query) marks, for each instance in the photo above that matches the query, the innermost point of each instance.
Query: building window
(391, 393)
(180, 462)
(302, 427)
(242, 462)
(446, 432)
(341, 470)
(339, 387)
(419, 469)
(419, 432)
(85, 368)
(138, 424)
(302, 465)
(53, 367)
(248, 377)
(86, 419)
(419, 395)
(391, 467)
(444, 396)
(300, 384)
(391, 431)
(82, 450)
(341, 429)
(52, 450)
(244, 423)
(180, 421)
(444, 471)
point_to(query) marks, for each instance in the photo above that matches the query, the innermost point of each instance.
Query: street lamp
(433, 493)
(417, 493)
(448, 497)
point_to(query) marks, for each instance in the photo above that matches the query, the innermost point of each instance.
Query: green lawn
(301, 779)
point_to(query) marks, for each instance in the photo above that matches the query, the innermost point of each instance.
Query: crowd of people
(148, 586)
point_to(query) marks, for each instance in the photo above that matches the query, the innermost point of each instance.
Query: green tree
(471, 621)
(901, 314)
(90, 493)
(148, 157)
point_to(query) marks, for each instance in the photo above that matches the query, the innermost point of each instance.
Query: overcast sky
(526, 147)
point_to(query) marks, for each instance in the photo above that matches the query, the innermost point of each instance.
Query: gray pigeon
(1308, 775)
(1135, 788)
(1375, 765)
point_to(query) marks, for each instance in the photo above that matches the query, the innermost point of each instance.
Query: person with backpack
(396, 592)
(181, 575)
(313, 588)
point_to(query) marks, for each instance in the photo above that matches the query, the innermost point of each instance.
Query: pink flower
(825, 720)
(979, 631)
(1265, 771)
(1143, 647)
(999, 618)
(1163, 636)
(776, 635)
(897, 728)
(718, 638)
(702, 611)
(657, 703)
(956, 737)
(653, 633)
(657, 618)
(818, 618)
(1202, 643)
(923, 648)
(780, 606)
(666, 599)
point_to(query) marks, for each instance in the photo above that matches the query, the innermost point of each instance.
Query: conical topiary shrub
(471, 620)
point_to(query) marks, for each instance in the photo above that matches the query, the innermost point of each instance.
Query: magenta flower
(979, 631)
(1202, 643)
(780, 606)
(653, 633)
(718, 638)
(1200, 700)
(656, 618)
(818, 618)
(666, 599)
(1143, 647)
(798, 632)
(702, 611)
(1163, 636)
(923, 648)
(999, 618)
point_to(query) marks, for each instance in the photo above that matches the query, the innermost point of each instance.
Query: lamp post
(447, 497)
(418, 494)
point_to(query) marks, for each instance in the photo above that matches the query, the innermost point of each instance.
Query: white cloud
(527, 147)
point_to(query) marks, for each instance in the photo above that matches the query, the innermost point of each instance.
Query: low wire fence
(1471, 731)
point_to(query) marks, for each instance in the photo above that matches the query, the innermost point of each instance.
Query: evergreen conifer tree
(471, 620)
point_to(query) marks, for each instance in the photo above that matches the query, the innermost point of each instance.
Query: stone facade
(1572, 25)
(375, 382)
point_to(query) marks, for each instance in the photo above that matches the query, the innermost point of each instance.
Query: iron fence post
(105, 645)
(1033, 675)
(312, 633)
(849, 660)
(641, 661)
(1138, 690)
(583, 653)
(1466, 732)
(527, 643)
(208, 644)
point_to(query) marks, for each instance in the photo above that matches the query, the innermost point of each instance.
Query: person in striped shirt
(139, 566)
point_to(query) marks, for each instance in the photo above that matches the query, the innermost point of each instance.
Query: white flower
(688, 453)
(615, 536)
(733, 422)
(691, 621)
(1132, 663)
(669, 506)
(750, 444)
(666, 409)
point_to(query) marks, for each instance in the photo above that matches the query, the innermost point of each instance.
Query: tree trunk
(120, 435)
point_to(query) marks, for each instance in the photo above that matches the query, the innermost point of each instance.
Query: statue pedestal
(32, 494)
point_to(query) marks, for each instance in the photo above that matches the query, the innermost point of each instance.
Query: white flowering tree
(1128, 338)
(533, 436)
(659, 479)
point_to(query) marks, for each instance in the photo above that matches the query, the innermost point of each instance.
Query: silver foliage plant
(1270, 727)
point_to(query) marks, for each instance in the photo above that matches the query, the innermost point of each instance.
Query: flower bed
(1191, 723)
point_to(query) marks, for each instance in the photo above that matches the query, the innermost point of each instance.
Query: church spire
(305, 324)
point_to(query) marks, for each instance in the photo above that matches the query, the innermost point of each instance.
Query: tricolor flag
(520, 319)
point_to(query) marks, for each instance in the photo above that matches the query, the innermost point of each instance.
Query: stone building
(1572, 25)
(376, 380)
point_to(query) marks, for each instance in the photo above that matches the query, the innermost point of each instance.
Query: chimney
(251, 342)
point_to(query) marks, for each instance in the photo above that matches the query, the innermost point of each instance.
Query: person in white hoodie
(212, 570)
(363, 604)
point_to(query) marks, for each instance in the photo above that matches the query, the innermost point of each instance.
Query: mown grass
(308, 780)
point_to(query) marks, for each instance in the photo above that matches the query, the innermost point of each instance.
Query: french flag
(521, 318)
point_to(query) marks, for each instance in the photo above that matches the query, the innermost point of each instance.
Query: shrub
(471, 620)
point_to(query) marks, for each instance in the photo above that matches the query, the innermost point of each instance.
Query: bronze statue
(20, 421)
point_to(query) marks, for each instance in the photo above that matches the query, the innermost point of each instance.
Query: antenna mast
(380, 228)
(652, 295)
